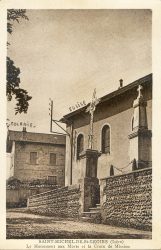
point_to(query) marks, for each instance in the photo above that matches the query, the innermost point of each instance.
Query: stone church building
(108, 167)
(36, 156)
(121, 134)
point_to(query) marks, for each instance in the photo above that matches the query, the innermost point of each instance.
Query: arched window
(106, 139)
(80, 145)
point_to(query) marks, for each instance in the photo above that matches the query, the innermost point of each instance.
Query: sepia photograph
(80, 137)
(79, 124)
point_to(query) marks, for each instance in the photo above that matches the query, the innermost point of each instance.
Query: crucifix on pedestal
(91, 155)
(89, 161)
(91, 109)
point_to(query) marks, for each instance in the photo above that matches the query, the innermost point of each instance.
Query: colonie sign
(19, 124)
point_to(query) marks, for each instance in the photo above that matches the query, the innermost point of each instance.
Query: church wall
(119, 156)
(67, 159)
(120, 126)
(117, 113)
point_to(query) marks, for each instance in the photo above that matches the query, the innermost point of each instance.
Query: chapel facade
(122, 132)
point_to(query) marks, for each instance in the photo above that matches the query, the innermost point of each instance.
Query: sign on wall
(77, 106)
(19, 124)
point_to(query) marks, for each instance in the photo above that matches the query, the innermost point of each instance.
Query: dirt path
(29, 226)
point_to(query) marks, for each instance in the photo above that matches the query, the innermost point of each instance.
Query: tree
(13, 79)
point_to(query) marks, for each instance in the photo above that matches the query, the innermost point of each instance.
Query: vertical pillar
(140, 136)
(103, 184)
(90, 194)
(68, 158)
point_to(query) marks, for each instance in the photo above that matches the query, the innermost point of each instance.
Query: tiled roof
(34, 137)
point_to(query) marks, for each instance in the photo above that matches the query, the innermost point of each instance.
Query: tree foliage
(13, 79)
(14, 15)
(12, 181)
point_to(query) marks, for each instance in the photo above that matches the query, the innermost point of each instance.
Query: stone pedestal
(140, 136)
(140, 148)
(89, 159)
(90, 194)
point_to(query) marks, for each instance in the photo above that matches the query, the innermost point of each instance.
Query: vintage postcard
(80, 125)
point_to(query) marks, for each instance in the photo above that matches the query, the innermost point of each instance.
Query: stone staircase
(93, 216)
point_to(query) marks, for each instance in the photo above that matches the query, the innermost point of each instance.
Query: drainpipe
(71, 159)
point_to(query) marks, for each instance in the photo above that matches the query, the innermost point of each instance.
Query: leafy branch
(13, 79)
(14, 15)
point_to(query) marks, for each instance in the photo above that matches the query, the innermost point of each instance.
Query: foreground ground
(22, 225)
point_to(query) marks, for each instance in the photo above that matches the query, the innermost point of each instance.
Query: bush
(12, 181)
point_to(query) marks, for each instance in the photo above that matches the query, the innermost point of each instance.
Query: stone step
(94, 209)
(90, 214)
(86, 219)
(98, 205)
(93, 217)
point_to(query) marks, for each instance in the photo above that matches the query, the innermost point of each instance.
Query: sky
(65, 54)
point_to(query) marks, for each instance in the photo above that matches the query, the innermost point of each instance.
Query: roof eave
(111, 95)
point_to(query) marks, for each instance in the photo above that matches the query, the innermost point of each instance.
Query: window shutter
(33, 157)
(52, 159)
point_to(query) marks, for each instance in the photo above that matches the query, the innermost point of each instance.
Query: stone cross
(91, 109)
(140, 88)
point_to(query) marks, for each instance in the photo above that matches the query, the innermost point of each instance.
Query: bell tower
(140, 136)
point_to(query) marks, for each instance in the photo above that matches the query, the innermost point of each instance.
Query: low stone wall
(17, 196)
(63, 202)
(126, 200)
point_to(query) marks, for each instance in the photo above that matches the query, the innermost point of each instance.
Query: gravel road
(22, 225)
